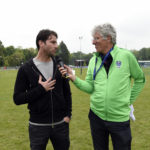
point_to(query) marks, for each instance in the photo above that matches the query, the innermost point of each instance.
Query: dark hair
(43, 35)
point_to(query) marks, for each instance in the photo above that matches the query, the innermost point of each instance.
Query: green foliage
(16, 58)
(1, 60)
(1, 48)
(29, 53)
(6, 61)
(9, 51)
(11, 56)
(14, 119)
(143, 54)
(79, 55)
(1, 54)
(63, 52)
(76, 56)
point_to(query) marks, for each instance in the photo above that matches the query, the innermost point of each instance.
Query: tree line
(11, 56)
(143, 54)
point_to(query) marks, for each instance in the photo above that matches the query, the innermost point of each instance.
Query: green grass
(14, 119)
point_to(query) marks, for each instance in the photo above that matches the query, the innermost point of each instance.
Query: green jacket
(112, 94)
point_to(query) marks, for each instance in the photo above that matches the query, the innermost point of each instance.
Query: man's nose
(56, 45)
(93, 42)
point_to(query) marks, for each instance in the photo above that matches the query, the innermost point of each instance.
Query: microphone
(61, 64)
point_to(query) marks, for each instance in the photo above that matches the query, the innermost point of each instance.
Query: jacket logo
(118, 64)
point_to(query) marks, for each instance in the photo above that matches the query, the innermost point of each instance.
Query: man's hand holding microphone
(67, 72)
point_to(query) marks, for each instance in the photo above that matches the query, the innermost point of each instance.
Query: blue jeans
(120, 133)
(59, 136)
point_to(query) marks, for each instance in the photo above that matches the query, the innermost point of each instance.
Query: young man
(40, 84)
(108, 80)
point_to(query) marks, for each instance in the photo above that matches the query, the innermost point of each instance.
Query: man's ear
(40, 43)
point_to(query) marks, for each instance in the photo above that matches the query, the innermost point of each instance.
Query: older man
(108, 80)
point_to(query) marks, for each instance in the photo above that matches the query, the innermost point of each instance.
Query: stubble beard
(50, 54)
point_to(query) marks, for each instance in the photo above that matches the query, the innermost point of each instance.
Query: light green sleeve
(138, 76)
(87, 84)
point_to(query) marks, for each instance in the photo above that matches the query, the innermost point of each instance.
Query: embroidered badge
(118, 64)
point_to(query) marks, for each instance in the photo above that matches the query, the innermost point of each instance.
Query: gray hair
(105, 30)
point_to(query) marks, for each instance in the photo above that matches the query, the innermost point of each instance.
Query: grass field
(14, 119)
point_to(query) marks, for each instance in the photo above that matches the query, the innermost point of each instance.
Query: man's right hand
(68, 70)
(48, 85)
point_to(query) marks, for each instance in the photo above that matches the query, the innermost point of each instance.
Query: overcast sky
(21, 21)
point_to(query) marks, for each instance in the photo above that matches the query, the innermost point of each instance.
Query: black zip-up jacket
(44, 107)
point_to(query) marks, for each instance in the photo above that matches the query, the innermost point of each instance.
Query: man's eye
(53, 42)
(96, 38)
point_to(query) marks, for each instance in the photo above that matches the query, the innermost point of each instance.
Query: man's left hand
(67, 119)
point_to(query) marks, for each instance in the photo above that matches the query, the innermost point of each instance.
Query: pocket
(126, 124)
(119, 126)
(33, 129)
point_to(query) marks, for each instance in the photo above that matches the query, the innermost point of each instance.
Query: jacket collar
(33, 66)
(113, 52)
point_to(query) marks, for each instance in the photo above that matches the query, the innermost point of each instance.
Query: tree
(29, 53)
(63, 52)
(6, 61)
(1, 54)
(9, 51)
(142, 54)
(79, 55)
(16, 59)
(87, 58)
(136, 53)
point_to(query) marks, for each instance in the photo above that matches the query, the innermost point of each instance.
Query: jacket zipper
(107, 89)
(106, 97)
(54, 74)
(50, 96)
(52, 110)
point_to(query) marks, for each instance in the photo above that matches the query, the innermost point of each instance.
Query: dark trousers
(59, 136)
(120, 133)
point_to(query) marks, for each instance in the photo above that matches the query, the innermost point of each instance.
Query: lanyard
(105, 57)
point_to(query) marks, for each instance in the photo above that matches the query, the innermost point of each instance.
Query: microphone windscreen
(59, 61)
